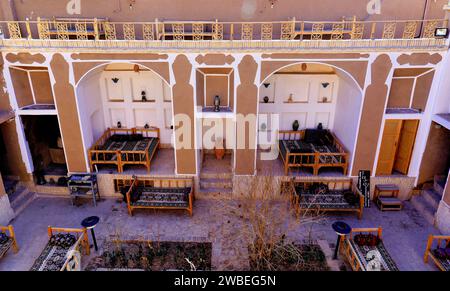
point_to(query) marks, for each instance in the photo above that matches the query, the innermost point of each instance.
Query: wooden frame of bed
(428, 251)
(82, 241)
(99, 156)
(293, 160)
(11, 234)
(335, 184)
(162, 183)
(347, 249)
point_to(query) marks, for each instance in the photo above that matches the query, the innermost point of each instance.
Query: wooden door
(388, 149)
(406, 146)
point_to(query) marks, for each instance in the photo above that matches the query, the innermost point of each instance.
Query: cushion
(118, 137)
(3, 238)
(134, 195)
(440, 253)
(312, 136)
(366, 239)
(135, 137)
(351, 197)
(64, 240)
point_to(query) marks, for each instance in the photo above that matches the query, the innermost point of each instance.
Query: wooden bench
(309, 153)
(332, 200)
(10, 242)
(386, 197)
(104, 153)
(55, 257)
(159, 193)
(363, 258)
(439, 241)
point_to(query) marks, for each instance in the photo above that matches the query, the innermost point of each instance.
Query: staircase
(20, 197)
(215, 178)
(427, 202)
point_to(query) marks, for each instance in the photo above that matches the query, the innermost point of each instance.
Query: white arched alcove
(112, 93)
(311, 93)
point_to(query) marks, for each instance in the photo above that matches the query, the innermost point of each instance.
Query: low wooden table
(386, 197)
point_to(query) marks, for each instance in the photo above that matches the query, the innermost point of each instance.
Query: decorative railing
(103, 29)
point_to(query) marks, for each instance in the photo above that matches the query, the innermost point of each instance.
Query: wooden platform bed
(159, 193)
(7, 240)
(360, 256)
(311, 148)
(326, 195)
(441, 244)
(56, 254)
(122, 146)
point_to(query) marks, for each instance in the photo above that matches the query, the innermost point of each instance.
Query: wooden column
(68, 115)
(372, 115)
(183, 104)
(246, 106)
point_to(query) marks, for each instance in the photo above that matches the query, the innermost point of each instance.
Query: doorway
(43, 136)
(397, 145)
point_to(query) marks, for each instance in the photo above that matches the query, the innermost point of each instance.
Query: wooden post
(372, 31)
(86, 242)
(13, 236)
(27, 24)
(231, 31)
(429, 243)
(97, 35)
(293, 28)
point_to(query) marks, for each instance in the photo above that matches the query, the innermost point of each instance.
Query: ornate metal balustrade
(68, 29)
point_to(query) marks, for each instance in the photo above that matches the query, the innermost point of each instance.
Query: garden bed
(288, 257)
(153, 256)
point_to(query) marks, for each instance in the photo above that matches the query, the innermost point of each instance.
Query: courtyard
(404, 232)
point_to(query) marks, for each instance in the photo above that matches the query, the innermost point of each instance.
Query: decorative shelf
(294, 102)
(140, 101)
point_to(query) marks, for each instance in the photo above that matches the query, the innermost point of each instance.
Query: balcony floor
(276, 168)
(162, 164)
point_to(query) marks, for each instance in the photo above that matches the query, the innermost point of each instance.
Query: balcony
(214, 35)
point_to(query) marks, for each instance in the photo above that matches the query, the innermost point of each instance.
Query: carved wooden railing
(103, 29)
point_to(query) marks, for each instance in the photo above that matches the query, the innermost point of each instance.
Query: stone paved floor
(405, 233)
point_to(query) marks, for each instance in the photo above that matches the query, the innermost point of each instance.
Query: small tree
(267, 217)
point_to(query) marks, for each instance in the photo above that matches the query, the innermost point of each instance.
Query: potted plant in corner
(295, 125)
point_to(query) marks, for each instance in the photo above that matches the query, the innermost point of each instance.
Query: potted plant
(295, 125)
(266, 99)
(219, 148)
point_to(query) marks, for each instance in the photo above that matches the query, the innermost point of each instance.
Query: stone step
(215, 175)
(22, 202)
(439, 184)
(431, 197)
(216, 183)
(52, 190)
(10, 185)
(423, 207)
(19, 191)
(211, 193)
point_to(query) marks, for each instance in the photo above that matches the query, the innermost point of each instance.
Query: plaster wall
(230, 10)
(348, 108)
